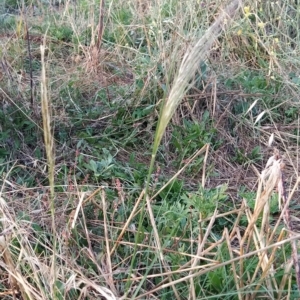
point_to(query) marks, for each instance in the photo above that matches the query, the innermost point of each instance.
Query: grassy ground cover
(149, 149)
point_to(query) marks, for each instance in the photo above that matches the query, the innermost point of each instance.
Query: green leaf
(93, 166)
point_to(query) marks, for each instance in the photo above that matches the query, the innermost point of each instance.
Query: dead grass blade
(108, 256)
(288, 224)
(127, 222)
(246, 255)
(195, 261)
(205, 149)
(158, 245)
(235, 276)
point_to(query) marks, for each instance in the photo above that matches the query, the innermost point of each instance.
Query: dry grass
(51, 248)
(242, 243)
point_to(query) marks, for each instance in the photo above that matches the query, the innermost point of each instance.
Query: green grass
(132, 170)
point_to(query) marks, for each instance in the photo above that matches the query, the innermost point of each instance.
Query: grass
(149, 149)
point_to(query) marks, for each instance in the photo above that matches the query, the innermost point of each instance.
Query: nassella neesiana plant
(181, 84)
(183, 81)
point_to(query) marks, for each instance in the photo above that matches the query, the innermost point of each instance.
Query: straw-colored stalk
(235, 276)
(271, 177)
(195, 261)
(46, 115)
(109, 278)
(267, 183)
(49, 143)
(159, 246)
(9, 265)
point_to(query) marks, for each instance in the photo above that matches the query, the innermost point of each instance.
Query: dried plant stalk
(288, 223)
(272, 177)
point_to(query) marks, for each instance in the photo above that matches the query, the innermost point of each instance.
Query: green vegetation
(131, 148)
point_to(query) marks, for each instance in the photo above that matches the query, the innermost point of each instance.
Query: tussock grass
(138, 88)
